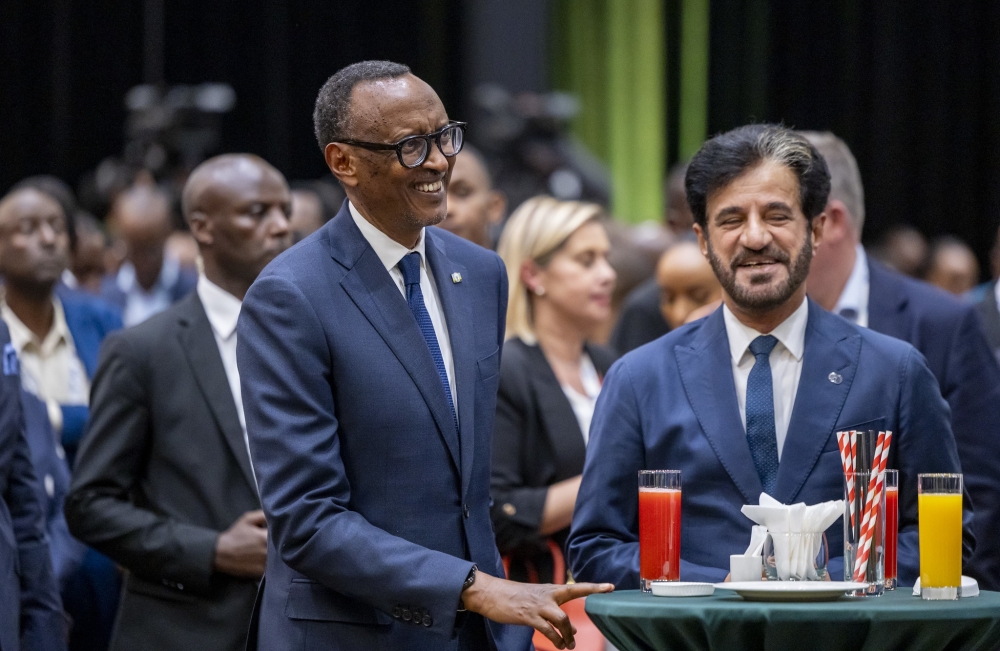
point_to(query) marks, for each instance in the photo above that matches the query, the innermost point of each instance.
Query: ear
(496, 205)
(702, 238)
(818, 230)
(531, 275)
(201, 227)
(341, 163)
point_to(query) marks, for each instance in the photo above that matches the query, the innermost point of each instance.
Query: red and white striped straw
(847, 460)
(873, 501)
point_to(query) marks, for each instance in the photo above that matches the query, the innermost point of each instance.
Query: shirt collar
(21, 336)
(388, 250)
(790, 333)
(169, 273)
(855, 294)
(222, 308)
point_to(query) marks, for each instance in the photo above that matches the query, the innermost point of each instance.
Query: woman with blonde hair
(556, 254)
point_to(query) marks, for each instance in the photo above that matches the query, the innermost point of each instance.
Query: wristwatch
(469, 580)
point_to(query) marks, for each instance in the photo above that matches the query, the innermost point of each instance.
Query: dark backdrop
(65, 66)
(913, 86)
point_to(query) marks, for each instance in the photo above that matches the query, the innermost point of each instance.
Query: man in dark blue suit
(947, 331)
(748, 399)
(30, 610)
(369, 356)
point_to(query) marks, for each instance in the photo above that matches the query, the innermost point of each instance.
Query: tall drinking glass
(659, 526)
(891, 526)
(864, 533)
(939, 502)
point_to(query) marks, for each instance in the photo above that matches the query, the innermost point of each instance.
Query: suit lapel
(561, 426)
(832, 346)
(455, 301)
(707, 375)
(377, 297)
(198, 344)
(885, 302)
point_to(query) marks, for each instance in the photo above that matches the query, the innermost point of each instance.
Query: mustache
(771, 252)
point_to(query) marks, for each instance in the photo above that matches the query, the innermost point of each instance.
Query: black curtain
(65, 66)
(912, 86)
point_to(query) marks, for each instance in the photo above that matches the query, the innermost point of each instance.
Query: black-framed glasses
(412, 151)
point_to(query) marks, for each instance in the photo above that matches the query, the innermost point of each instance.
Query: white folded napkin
(794, 555)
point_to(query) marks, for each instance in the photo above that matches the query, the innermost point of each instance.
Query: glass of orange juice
(940, 513)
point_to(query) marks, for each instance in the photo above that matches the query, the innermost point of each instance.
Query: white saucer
(682, 589)
(791, 590)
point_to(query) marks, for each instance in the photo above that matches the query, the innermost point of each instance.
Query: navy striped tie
(761, 434)
(410, 268)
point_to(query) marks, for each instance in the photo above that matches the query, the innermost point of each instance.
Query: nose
(47, 234)
(278, 225)
(436, 160)
(756, 235)
(608, 273)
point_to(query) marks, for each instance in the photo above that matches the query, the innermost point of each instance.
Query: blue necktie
(760, 414)
(410, 268)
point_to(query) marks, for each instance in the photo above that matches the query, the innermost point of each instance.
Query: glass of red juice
(659, 526)
(891, 526)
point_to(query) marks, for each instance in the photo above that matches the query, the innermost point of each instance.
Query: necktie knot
(409, 266)
(763, 345)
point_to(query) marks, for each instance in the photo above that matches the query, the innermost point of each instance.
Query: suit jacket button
(397, 612)
(465, 510)
(428, 621)
(407, 615)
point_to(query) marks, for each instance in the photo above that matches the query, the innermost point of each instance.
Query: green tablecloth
(634, 621)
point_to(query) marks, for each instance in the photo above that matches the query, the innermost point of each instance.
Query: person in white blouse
(560, 285)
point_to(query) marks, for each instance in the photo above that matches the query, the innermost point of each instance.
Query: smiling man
(747, 400)
(370, 356)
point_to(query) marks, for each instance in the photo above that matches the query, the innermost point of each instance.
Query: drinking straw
(844, 443)
(879, 461)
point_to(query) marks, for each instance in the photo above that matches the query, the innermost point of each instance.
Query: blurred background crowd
(582, 114)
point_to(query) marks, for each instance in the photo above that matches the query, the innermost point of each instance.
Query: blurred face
(472, 203)
(954, 269)
(578, 280)
(307, 214)
(144, 225)
(393, 196)
(686, 282)
(244, 219)
(88, 261)
(34, 246)
(758, 240)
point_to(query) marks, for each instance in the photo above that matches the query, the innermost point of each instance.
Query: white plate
(791, 590)
(682, 589)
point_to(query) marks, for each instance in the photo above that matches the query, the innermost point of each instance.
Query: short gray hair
(845, 179)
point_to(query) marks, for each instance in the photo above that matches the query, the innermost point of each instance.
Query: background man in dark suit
(747, 400)
(946, 330)
(370, 357)
(30, 610)
(163, 483)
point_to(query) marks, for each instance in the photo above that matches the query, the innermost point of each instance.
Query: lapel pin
(456, 277)
(835, 377)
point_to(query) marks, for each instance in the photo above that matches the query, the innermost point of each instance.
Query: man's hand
(241, 550)
(528, 604)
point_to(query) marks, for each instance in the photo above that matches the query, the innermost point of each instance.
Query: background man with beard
(163, 483)
(748, 399)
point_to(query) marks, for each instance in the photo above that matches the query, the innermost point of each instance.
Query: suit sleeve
(972, 389)
(42, 623)
(100, 509)
(925, 445)
(285, 370)
(517, 508)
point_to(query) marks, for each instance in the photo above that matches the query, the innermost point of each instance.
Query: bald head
(238, 207)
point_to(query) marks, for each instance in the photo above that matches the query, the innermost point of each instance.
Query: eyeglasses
(412, 151)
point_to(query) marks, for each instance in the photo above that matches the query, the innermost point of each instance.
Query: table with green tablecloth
(634, 621)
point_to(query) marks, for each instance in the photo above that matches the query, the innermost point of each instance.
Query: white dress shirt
(223, 310)
(50, 367)
(786, 364)
(583, 404)
(390, 252)
(855, 294)
(140, 304)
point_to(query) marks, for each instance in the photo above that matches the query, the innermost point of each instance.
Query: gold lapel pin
(456, 277)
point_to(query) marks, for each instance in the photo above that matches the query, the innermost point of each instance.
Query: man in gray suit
(163, 483)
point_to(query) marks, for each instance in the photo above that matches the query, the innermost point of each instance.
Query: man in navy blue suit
(747, 400)
(947, 331)
(369, 356)
(30, 610)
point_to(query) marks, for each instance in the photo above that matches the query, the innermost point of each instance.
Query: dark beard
(757, 302)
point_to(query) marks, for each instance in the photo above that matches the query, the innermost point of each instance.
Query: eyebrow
(736, 210)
